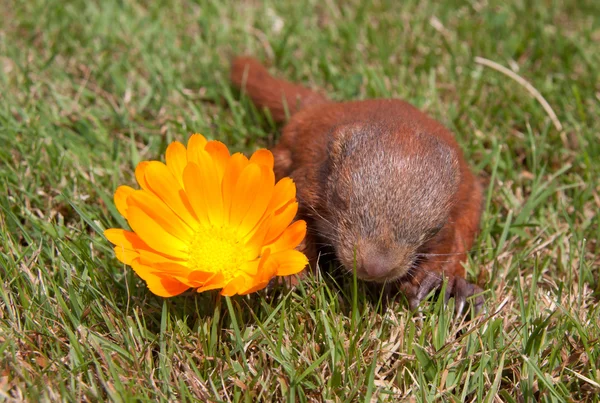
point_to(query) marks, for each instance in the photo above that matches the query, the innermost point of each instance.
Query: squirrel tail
(280, 97)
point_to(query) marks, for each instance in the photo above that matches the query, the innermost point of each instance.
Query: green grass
(88, 89)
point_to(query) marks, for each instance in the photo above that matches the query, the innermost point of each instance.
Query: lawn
(90, 88)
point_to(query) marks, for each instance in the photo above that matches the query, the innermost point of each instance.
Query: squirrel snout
(377, 264)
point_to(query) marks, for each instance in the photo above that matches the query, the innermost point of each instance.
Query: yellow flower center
(216, 250)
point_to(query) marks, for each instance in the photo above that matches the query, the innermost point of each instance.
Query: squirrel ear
(342, 140)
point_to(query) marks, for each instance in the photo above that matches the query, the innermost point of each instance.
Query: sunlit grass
(88, 89)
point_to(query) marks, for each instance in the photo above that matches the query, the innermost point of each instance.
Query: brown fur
(381, 182)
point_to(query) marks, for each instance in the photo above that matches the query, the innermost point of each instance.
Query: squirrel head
(388, 191)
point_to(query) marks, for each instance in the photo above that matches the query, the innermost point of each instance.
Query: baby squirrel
(380, 182)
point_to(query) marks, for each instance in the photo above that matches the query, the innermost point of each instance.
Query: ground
(88, 89)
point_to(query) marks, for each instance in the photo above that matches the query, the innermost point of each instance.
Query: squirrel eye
(434, 231)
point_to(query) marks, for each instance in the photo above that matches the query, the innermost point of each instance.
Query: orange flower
(208, 220)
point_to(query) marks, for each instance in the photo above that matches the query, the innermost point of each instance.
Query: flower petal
(164, 287)
(152, 257)
(203, 188)
(192, 183)
(251, 267)
(163, 215)
(290, 238)
(256, 286)
(289, 262)
(128, 243)
(124, 239)
(170, 268)
(244, 193)
(164, 185)
(125, 256)
(256, 239)
(284, 193)
(236, 165)
(154, 235)
(263, 157)
(220, 156)
(161, 286)
(196, 144)
(202, 278)
(176, 157)
(258, 208)
(121, 195)
(280, 222)
(240, 283)
(140, 174)
(210, 181)
(265, 270)
(217, 282)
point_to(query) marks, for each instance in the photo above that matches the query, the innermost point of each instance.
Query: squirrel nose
(377, 265)
(382, 263)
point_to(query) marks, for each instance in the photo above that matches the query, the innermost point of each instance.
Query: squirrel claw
(456, 287)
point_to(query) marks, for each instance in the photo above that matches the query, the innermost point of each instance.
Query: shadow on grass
(333, 287)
